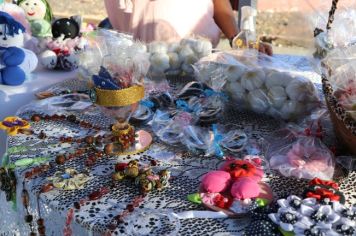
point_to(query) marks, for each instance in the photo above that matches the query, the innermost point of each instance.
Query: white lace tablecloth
(153, 217)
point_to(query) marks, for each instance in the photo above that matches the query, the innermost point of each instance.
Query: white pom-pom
(190, 42)
(157, 47)
(276, 78)
(174, 47)
(234, 72)
(258, 101)
(48, 59)
(278, 96)
(291, 110)
(187, 68)
(184, 52)
(301, 89)
(203, 48)
(236, 91)
(253, 79)
(174, 61)
(160, 61)
(191, 59)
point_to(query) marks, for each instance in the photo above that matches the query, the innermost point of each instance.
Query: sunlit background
(287, 24)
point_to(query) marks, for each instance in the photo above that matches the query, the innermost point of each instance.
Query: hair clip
(196, 138)
(192, 89)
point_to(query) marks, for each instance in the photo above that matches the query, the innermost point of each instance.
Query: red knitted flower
(317, 181)
(239, 168)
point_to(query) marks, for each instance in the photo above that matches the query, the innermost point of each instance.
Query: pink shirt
(164, 20)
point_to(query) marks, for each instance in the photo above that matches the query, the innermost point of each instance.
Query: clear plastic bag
(260, 83)
(115, 65)
(343, 82)
(181, 130)
(293, 153)
(58, 105)
(335, 24)
(177, 57)
(116, 53)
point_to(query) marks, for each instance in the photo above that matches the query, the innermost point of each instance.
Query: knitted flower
(13, 124)
(243, 168)
(324, 191)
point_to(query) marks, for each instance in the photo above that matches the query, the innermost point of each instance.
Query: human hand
(265, 48)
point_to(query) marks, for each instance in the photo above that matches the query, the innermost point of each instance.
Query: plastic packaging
(59, 104)
(180, 128)
(260, 83)
(247, 37)
(116, 66)
(295, 153)
(335, 25)
(341, 75)
(177, 57)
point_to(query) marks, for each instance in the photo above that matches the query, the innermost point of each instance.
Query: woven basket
(344, 125)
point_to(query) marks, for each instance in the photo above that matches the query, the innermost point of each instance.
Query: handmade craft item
(17, 13)
(117, 73)
(70, 179)
(144, 177)
(69, 27)
(298, 216)
(324, 191)
(61, 51)
(16, 62)
(300, 154)
(235, 189)
(14, 125)
(39, 13)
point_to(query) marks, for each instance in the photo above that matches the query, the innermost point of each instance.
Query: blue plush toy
(15, 61)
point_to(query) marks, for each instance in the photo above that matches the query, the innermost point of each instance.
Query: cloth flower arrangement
(324, 191)
(236, 187)
(70, 179)
(13, 125)
(299, 216)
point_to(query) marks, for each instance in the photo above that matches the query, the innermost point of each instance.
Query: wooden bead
(36, 118)
(108, 149)
(60, 159)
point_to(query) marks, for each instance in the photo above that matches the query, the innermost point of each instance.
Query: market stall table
(14, 97)
(154, 216)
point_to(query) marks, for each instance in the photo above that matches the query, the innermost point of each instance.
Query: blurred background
(287, 24)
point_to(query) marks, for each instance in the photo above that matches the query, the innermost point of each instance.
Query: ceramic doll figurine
(15, 61)
(39, 13)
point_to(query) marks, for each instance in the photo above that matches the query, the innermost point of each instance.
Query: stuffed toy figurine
(69, 27)
(39, 13)
(237, 187)
(15, 61)
(17, 13)
(61, 50)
